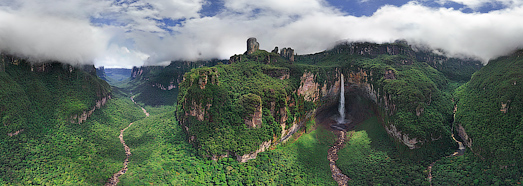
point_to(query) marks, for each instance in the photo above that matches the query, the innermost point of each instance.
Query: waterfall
(341, 108)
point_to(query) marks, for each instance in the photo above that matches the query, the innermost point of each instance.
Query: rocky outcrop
(255, 120)
(280, 73)
(309, 89)
(252, 45)
(161, 87)
(205, 77)
(79, 118)
(246, 157)
(198, 108)
(463, 134)
(136, 72)
(275, 50)
(15, 133)
(198, 111)
(404, 138)
(504, 107)
(287, 53)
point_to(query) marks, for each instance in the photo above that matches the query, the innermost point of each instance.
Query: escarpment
(260, 99)
(35, 90)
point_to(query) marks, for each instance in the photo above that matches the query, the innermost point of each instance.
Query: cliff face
(357, 80)
(79, 118)
(266, 98)
(35, 94)
(158, 85)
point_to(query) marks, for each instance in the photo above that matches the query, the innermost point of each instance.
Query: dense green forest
(413, 96)
(209, 116)
(49, 149)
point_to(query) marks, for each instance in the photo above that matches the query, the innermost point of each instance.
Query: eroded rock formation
(79, 118)
(287, 53)
(252, 45)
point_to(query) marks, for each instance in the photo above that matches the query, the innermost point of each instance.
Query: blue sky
(126, 33)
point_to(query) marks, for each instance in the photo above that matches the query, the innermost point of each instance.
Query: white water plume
(341, 108)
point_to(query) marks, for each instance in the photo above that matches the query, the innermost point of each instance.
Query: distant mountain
(158, 85)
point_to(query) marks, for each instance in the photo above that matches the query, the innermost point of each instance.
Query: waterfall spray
(341, 108)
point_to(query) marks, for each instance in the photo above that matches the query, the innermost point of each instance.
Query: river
(114, 179)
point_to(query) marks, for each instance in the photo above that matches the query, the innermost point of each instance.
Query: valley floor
(89, 153)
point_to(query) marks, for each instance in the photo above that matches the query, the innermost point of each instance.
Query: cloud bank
(133, 33)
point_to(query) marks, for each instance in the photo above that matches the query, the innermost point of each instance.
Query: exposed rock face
(357, 80)
(309, 89)
(252, 45)
(504, 107)
(15, 133)
(195, 107)
(404, 138)
(255, 120)
(198, 111)
(253, 105)
(464, 136)
(235, 59)
(160, 86)
(137, 71)
(389, 74)
(246, 157)
(287, 53)
(41, 67)
(79, 118)
(278, 73)
(275, 50)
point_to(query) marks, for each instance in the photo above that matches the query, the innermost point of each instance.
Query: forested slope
(40, 143)
(490, 109)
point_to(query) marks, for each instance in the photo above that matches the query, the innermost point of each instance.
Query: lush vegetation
(490, 108)
(371, 158)
(413, 96)
(51, 150)
(226, 96)
(472, 170)
(148, 81)
(214, 103)
(162, 156)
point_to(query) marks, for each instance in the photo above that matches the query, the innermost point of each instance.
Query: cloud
(43, 38)
(475, 4)
(128, 33)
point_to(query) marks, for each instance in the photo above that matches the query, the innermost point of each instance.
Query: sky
(126, 33)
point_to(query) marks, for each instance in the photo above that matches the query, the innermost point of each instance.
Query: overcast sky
(126, 33)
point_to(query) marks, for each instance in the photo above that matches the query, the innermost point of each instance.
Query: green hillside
(490, 108)
(415, 98)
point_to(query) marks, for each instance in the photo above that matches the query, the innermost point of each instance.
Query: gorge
(334, 117)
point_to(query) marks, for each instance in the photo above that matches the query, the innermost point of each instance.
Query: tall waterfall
(341, 108)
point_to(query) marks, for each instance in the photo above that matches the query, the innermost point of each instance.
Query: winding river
(114, 179)
(332, 156)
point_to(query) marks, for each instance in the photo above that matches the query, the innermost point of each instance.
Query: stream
(332, 156)
(459, 152)
(114, 179)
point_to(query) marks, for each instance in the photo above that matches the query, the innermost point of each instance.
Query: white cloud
(475, 4)
(44, 38)
(62, 30)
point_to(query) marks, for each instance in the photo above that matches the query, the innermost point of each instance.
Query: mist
(111, 34)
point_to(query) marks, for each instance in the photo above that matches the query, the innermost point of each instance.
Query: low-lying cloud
(132, 33)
